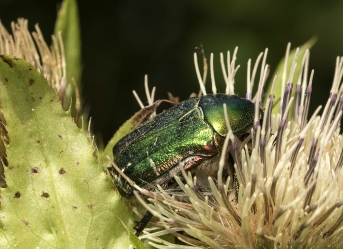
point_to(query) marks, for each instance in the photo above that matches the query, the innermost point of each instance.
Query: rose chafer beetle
(189, 135)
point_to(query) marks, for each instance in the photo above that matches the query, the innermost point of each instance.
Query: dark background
(123, 40)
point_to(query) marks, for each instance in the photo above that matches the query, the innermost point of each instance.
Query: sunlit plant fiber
(49, 61)
(288, 171)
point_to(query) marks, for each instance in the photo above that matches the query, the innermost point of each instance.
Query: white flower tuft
(289, 177)
(49, 61)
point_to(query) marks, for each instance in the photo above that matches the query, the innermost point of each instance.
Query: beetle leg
(142, 223)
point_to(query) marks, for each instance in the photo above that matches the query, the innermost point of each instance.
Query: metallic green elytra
(187, 135)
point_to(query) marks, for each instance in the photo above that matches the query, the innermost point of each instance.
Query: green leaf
(137, 244)
(68, 23)
(58, 196)
(279, 71)
(122, 131)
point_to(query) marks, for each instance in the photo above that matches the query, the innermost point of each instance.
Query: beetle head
(240, 111)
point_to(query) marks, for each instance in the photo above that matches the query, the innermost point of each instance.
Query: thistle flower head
(50, 61)
(288, 173)
(33, 49)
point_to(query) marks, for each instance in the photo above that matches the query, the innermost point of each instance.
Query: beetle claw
(142, 223)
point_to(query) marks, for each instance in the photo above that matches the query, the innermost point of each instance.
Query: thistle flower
(288, 171)
(48, 61)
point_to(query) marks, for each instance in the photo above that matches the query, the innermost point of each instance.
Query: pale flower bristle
(49, 61)
(290, 180)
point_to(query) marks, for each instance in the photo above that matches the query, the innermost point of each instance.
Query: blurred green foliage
(69, 25)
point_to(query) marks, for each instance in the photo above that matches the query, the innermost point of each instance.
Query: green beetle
(189, 135)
